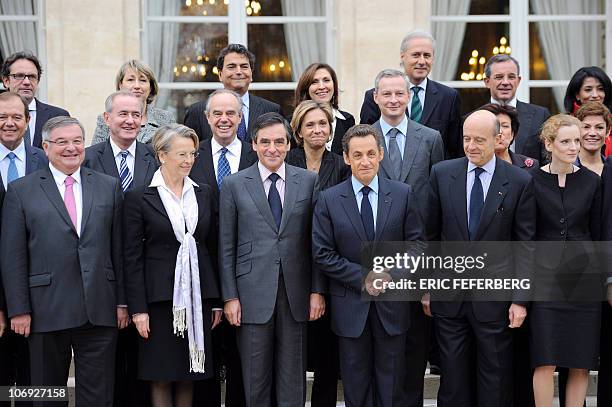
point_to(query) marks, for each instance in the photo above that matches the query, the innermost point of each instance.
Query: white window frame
(519, 19)
(237, 22)
(41, 52)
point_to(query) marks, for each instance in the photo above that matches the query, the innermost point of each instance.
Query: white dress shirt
(129, 160)
(246, 100)
(59, 178)
(32, 123)
(20, 161)
(233, 154)
(423, 86)
(280, 183)
(401, 135)
(485, 180)
(511, 102)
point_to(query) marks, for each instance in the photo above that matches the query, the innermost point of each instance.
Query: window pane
(465, 7)
(283, 97)
(257, 8)
(489, 7)
(548, 97)
(473, 98)
(186, 52)
(561, 7)
(284, 50)
(19, 35)
(187, 8)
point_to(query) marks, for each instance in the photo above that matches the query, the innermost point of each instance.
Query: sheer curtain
(568, 46)
(19, 35)
(449, 37)
(305, 41)
(163, 44)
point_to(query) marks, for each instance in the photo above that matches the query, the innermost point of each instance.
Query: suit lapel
(254, 111)
(432, 98)
(459, 199)
(495, 196)
(142, 164)
(292, 184)
(202, 209)
(208, 165)
(152, 197)
(384, 207)
(326, 169)
(349, 203)
(107, 160)
(41, 117)
(525, 117)
(246, 158)
(385, 165)
(87, 195)
(413, 142)
(29, 164)
(258, 194)
(48, 185)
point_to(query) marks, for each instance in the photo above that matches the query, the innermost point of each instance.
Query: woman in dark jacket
(168, 231)
(320, 83)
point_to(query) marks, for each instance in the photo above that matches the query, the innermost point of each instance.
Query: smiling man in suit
(365, 208)
(17, 159)
(502, 78)
(432, 104)
(60, 253)
(479, 198)
(21, 74)
(235, 64)
(268, 284)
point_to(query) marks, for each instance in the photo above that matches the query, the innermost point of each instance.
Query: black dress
(565, 333)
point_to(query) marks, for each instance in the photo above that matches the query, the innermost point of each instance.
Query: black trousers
(418, 346)
(604, 384)
(94, 362)
(14, 363)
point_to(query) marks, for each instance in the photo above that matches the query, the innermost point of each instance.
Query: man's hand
(233, 312)
(21, 324)
(426, 303)
(369, 282)
(317, 306)
(610, 294)
(2, 323)
(216, 317)
(123, 319)
(142, 324)
(517, 314)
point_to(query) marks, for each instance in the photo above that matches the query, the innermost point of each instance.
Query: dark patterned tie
(476, 203)
(223, 167)
(274, 200)
(394, 154)
(367, 216)
(242, 131)
(416, 110)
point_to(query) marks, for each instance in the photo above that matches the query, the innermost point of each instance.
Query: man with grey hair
(502, 78)
(432, 104)
(411, 149)
(61, 261)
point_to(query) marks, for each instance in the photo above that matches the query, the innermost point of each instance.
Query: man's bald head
(480, 132)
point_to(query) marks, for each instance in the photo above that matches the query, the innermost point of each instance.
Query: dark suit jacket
(333, 170)
(509, 214)
(195, 116)
(151, 247)
(252, 249)
(606, 228)
(441, 112)
(337, 232)
(341, 127)
(35, 160)
(522, 161)
(527, 142)
(99, 157)
(45, 112)
(62, 279)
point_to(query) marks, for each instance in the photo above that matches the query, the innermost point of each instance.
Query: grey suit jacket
(253, 251)
(423, 149)
(62, 279)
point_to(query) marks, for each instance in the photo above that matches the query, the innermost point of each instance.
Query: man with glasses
(21, 74)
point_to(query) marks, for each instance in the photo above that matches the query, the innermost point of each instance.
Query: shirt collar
(116, 150)
(32, 105)
(338, 115)
(265, 173)
(233, 147)
(385, 127)
(357, 185)
(512, 102)
(158, 181)
(20, 151)
(246, 100)
(422, 85)
(489, 167)
(60, 177)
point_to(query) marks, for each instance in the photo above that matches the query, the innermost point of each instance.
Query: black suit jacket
(151, 247)
(509, 214)
(62, 279)
(99, 157)
(527, 142)
(333, 170)
(45, 112)
(35, 160)
(195, 116)
(441, 112)
(337, 232)
(341, 128)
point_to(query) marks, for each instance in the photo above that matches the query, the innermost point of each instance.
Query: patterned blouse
(155, 119)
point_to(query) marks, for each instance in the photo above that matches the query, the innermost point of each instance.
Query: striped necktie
(416, 110)
(124, 172)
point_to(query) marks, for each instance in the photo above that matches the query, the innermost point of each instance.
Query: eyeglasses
(65, 143)
(21, 76)
(187, 156)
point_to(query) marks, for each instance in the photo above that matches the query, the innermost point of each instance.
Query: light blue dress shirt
(20, 161)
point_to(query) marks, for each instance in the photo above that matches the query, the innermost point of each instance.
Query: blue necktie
(367, 216)
(12, 173)
(223, 167)
(416, 110)
(124, 172)
(274, 200)
(476, 203)
(242, 131)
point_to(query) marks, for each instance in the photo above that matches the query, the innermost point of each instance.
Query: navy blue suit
(45, 112)
(373, 329)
